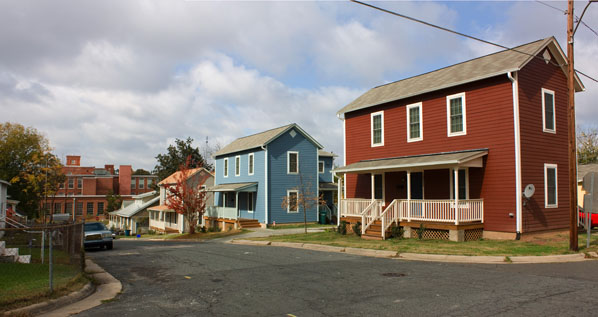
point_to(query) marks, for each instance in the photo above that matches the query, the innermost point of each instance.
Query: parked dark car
(96, 235)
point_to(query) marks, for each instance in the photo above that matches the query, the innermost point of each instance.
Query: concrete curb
(107, 289)
(85, 291)
(578, 257)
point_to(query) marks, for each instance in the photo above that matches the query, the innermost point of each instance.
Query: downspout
(518, 190)
(265, 184)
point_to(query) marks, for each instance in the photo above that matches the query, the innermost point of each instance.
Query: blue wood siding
(326, 177)
(280, 181)
(244, 177)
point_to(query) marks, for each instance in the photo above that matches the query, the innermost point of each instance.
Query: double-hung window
(455, 112)
(71, 183)
(225, 167)
(292, 162)
(320, 167)
(548, 118)
(377, 128)
(237, 165)
(414, 122)
(250, 164)
(292, 204)
(550, 186)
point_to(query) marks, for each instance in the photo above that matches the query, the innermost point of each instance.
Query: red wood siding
(538, 147)
(489, 115)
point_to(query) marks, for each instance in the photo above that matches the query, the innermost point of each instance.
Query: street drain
(394, 274)
(216, 280)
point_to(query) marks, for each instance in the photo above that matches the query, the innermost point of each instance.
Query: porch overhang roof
(469, 158)
(235, 187)
(328, 186)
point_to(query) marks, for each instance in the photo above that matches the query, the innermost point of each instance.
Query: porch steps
(374, 232)
(249, 223)
(12, 255)
(170, 230)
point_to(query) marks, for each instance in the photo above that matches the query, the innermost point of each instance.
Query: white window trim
(237, 165)
(225, 168)
(250, 205)
(421, 123)
(250, 164)
(548, 91)
(374, 114)
(289, 162)
(448, 115)
(323, 167)
(289, 201)
(556, 186)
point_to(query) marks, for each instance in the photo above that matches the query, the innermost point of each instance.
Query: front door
(417, 188)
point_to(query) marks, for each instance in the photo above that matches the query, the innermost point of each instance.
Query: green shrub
(397, 232)
(342, 228)
(420, 231)
(214, 229)
(357, 228)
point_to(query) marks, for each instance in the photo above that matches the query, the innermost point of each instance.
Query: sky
(118, 81)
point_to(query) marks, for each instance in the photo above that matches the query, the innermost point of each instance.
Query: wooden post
(573, 244)
(456, 191)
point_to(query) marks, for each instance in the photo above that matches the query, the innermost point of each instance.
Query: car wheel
(109, 246)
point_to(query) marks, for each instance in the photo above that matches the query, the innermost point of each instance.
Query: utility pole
(573, 244)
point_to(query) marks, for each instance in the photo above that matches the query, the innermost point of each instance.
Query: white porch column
(339, 198)
(456, 186)
(409, 196)
(373, 186)
(237, 204)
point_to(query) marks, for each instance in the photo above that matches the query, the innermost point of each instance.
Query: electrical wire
(461, 34)
(578, 18)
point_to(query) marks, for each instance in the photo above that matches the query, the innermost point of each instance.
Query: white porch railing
(353, 207)
(446, 210)
(389, 215)
(370, 214)
(221, 212)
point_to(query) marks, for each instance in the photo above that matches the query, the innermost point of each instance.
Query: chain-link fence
(38, 261)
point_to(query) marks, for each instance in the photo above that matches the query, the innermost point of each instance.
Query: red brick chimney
(124, 179)
(73, 160)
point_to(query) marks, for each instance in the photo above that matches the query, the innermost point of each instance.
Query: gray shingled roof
(583, 169)
(134, 208)
(476, 69)
(261, 139)
(326, 154)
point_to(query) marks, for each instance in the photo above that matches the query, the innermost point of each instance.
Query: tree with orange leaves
(186, 196)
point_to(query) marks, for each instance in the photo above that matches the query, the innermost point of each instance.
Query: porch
(440, 191)
(234, 206)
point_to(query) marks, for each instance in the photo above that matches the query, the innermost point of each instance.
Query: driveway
(167, 278)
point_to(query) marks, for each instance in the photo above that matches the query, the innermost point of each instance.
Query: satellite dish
(529, 191)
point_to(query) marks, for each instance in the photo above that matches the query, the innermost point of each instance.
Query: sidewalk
(423, 257)
(108, 287)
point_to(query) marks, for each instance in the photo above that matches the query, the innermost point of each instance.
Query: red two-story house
(455, 148)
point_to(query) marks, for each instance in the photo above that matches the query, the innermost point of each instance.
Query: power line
(460, 34)
(565, 12)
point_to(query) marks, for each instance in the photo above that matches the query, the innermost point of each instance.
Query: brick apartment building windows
(71, 183)
(133, 180)
(79, 182)
(61, 186)
(79, 209)
(100, 208)
(141, 183)
(149, 182)
(89, 209)
(69, 208)
(57, 208)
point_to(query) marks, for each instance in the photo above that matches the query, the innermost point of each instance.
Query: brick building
(85, 189)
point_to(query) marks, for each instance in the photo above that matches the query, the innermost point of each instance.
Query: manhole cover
(216, 280)
(394, 274)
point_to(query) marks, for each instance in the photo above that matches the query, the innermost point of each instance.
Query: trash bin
(322, 217)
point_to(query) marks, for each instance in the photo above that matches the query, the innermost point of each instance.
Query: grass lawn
(552, 244)
(196, 236)
(26, 284)
(294, 226)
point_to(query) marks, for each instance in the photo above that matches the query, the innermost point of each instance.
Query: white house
(133, 214)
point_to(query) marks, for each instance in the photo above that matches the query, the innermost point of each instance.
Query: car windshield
(96, 226)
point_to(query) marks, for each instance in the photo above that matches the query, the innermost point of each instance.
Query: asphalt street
(168, 278)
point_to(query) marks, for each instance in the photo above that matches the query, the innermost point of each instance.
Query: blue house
(254, 174)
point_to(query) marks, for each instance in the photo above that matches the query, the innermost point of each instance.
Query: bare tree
(305, 199)
(587, 145)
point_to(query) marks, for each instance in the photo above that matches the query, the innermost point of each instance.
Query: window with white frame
(414, 122)
(320, 167)
(455, 111)
(377, 128)
(550, 186)
(548, 117)
(141, 183)
(250, 164)
(292, 162)
(237, 165)
(79, 182)
(226, 167)
(71, 183)
(292, 201)
(250, 202)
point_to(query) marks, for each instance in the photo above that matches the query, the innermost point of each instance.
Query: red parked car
(593, 218)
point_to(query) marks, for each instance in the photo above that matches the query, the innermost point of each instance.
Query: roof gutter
(517, 133)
